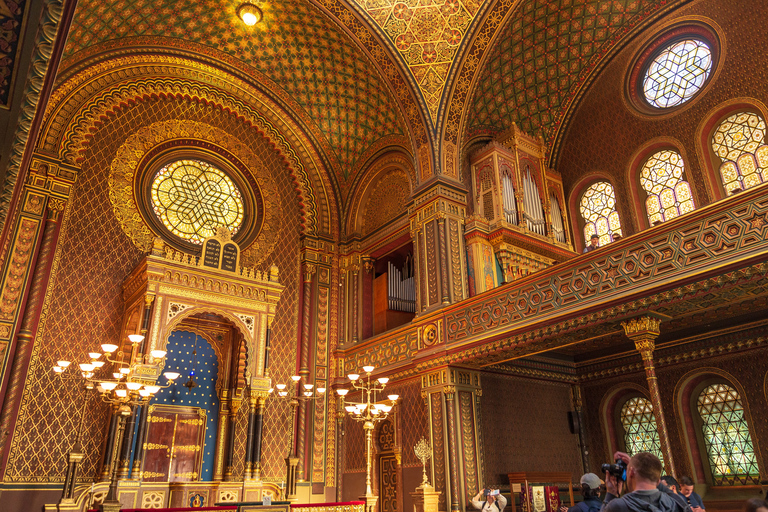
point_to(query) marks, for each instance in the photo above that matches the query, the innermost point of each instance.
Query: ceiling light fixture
(249, 13)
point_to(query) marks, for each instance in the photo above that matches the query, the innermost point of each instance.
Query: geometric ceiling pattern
(297, 46)
(426, 34)
(543, 57)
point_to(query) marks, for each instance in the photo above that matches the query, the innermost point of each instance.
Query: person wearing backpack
(590, 491)
(494, 501)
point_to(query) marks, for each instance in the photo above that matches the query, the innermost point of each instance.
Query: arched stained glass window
(669, 195)
(192, 198)
(739, 141)
(598, 209)
(726, 434)
(677, 73)
(639, 422)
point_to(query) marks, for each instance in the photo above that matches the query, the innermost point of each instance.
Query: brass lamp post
(369, 411)
(294, 394)
(129, 385)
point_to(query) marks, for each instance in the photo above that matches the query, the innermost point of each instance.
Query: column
(138, 455)
(106, 465)
(231, 427)
(248, 470)
(644, 331)
(306, 340)
(453, 456)
(124, 462)
(258, 428)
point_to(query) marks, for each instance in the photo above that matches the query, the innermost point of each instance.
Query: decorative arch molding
(95, 90)
(707, 157)
(689, 437)
(632, 174)
(608, 406)
(577, 222)
(236, 322)
(390, 162)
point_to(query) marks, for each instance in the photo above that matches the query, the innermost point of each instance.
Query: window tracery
(639, 422)
(677, 73)
(598, 209)
(192, 198)
(669, 195)
(726, 435)
(739, 141)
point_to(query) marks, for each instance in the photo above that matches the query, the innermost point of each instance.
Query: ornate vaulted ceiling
(296, 46)
(487, 62)
(543, 58)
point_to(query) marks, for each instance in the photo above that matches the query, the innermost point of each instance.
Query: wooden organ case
(519, 219)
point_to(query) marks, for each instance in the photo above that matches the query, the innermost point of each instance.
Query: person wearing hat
(494, 501)
(592, 243)
(590, 490)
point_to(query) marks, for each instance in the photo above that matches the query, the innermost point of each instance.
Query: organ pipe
(557, 219)
(401, 291)
(534, 213)
(508, 193)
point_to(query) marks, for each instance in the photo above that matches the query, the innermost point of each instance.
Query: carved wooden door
(174, 448)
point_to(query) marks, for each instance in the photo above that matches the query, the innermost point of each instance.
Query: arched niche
(174, 286)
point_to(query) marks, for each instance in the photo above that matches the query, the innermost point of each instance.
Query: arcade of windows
(739, 142)
(725, 433)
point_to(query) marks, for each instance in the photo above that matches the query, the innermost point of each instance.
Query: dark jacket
(587, 505)
(660, 500)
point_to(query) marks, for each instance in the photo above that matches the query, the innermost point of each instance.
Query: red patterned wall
(85, 306)
(525, 427)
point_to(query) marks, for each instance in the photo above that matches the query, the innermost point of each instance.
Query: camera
(491, 492)
(619, 470)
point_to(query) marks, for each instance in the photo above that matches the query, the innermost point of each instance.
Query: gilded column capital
(645, 327)
(309, 271)
(645, 347)
(149, 299)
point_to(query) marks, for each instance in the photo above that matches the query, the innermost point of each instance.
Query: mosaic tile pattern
(295, 45)
(427, 34)
(543, 56)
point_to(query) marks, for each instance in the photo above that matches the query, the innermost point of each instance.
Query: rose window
(192, 198)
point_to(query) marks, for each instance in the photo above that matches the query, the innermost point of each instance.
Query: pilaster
(453, 399)
(437, 228)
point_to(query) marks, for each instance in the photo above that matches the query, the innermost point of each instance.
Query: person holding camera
(640, 474)
(494, 501)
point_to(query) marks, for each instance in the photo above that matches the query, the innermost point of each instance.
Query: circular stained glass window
(677, 73)
(192, 198)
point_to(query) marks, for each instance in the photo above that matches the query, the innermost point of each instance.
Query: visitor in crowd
(494, 501)
(590, 491)
(693, 499)
(646, 493)
(592, 244)
(670, 482)
(756, 505)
